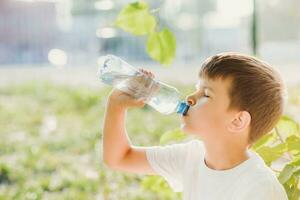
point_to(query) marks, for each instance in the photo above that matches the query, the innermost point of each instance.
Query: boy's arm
(166, 161)
(117, 151)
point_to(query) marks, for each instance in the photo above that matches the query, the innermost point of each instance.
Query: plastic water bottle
(162, 97)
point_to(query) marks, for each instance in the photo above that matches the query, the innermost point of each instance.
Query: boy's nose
(191, 100)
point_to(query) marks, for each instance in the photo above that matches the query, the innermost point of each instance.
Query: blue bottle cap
(182, 108)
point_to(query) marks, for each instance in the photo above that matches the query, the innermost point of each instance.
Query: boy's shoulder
(262, 179)
(265, 183)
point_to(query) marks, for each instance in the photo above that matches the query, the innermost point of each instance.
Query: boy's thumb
(141, 101)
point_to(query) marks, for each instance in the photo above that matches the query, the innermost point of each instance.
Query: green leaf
(295, 162)
(291, 188)
(173, 135)
(287, 127)
(158, 185)
(161, 46)
(266, 139)
(293, 144)
(287, 173)
(294, 193)
(136, 19)
(270, 154)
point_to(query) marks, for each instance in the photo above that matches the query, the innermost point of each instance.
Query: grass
(50, 145)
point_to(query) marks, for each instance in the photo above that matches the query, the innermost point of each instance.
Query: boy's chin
(185, 128)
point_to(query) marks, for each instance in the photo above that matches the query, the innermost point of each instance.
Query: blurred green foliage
(138, 19)
(50, 145)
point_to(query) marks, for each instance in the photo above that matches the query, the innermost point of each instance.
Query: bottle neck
(182, 108)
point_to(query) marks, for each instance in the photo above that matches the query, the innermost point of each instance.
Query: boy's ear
(240, 122)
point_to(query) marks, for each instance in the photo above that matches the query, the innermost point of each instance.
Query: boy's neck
(223, 157)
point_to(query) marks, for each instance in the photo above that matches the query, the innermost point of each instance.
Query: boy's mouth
(186, 110)
(185, 116)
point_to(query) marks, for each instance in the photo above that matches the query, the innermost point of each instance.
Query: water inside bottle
(165, 100)
(114, 78)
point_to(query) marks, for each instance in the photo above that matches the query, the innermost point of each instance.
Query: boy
(237, 100)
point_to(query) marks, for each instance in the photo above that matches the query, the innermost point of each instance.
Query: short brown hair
(255, 87)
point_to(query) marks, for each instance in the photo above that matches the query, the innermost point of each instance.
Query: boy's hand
(122, 100)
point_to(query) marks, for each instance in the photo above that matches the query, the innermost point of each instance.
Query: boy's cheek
(195, 118)
(198, 110)
(200, 118)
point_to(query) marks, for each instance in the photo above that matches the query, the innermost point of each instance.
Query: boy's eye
(205, 94)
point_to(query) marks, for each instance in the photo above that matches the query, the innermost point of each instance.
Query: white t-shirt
(183, 167)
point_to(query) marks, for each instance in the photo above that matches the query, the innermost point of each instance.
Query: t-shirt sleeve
(168, 161)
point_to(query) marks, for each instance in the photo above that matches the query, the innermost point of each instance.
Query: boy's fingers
(148, 73)
(145, 78)
(142, 70)
(139, 102)
(142, 99)
(151, 74)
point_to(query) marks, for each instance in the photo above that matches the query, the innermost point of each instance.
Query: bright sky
(228, 13)
(234, 8)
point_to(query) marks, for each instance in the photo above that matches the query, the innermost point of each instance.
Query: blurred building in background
(77, 32)
(27, 31)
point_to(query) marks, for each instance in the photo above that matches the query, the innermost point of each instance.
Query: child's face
(208, 116)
